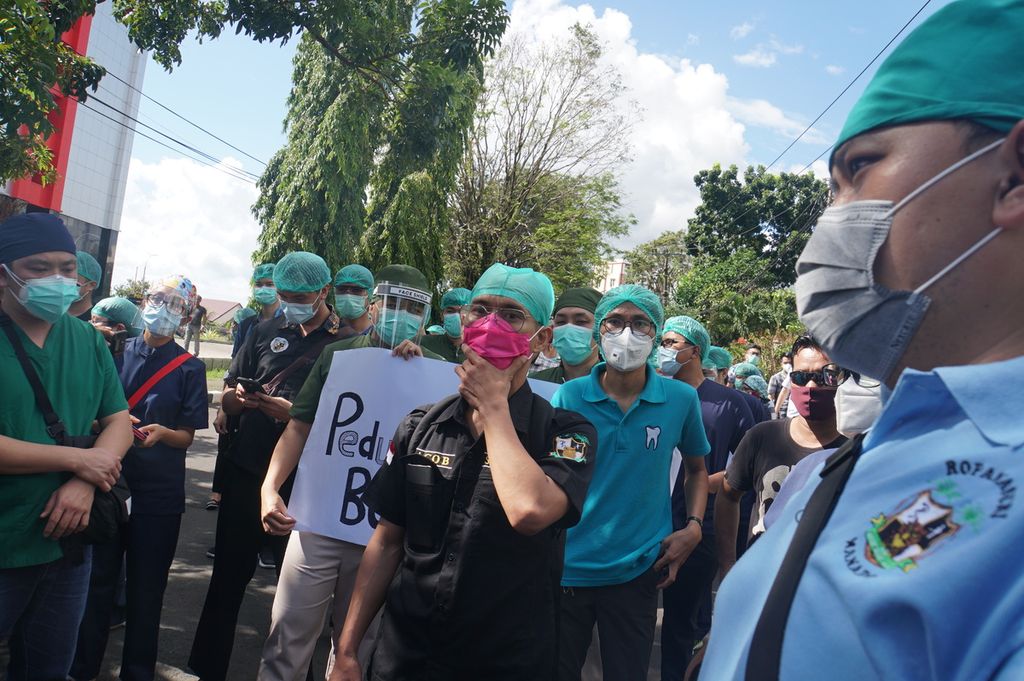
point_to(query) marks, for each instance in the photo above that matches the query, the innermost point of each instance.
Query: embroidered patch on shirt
(279, 344)
(572, 446)
(439, 459)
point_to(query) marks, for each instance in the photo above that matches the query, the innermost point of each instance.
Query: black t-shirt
(271, 347)
(197, 316)
(473, 598)
(764, 458)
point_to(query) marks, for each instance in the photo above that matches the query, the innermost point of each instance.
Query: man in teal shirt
(47, 490)
(623, 549)
(913, 278)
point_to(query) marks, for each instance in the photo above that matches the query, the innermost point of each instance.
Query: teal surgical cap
(88, 268)
(120, 311)
(530, 289)
(354, 275)
(719, 358)
(457, 297)
(264, 271)
(758, 385)
(964, 62)
(643, 298)
(301, 272)
(692, 330)
(745, 370)
(243, 313)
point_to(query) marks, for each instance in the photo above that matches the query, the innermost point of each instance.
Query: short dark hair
(753, 346)
(787, 355)
(805, 342)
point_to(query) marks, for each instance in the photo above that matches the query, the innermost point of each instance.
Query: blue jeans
(40, 610)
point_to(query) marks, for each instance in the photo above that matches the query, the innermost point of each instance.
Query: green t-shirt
(81, 381)
(555, 374)
(305, 403)
(441, 345)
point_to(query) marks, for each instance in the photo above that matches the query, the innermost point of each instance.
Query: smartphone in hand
(139, 434)
(251, 385)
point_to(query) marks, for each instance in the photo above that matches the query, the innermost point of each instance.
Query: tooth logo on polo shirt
(279, 344)
(966, 497)
(653, 435)
(572, 446)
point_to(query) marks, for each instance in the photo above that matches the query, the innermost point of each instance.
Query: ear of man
(1008, 211)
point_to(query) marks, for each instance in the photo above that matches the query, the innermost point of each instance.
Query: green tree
(133, 289)
(658, 264)
(768, 214)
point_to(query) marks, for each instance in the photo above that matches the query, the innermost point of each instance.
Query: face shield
(401, 312)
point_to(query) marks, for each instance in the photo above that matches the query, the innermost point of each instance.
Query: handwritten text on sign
(367, 394)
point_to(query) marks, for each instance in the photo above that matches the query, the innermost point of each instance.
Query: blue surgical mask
(453, 324)
(397, 326)
(46, 298)
(350, 306)
(573, 343)
(298, 313)
(265, 295)
(667, 362)
(160, 321)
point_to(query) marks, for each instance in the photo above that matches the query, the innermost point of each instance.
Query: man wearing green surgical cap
(720, 360)
(624, 548)
(911, 277)
(573, 326)
(90, 274)
(114, 314)
(319, 570)
(264, 292)
(449, 344)
(353, 286)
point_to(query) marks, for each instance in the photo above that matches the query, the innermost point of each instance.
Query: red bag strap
(156, 378)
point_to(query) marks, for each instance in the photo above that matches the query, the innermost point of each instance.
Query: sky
(726, 82)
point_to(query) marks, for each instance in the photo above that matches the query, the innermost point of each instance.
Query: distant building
(614, 275)
(92, 145)
(219, 312)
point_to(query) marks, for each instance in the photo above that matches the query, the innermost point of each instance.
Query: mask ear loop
(963, 256)
(951, 169)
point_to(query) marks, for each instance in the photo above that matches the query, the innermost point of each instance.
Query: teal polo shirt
(628, 510)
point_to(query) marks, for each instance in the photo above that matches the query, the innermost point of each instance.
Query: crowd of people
(789, 525)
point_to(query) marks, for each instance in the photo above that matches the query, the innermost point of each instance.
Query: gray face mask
(863, 325)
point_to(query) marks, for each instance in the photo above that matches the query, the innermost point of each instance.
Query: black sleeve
(385, 494)
(570, 460)
(243, 364)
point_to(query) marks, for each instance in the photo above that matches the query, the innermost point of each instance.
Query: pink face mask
(814, 404)
(495, 340)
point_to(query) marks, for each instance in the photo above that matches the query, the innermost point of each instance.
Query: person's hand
(67, 510)
(675, 549)
(248, 400)
(346, 668)
(407, 350)
(97, 466)
(276, 408)
(484, 386)
(275, 516)
(220, 422)
(154, 433)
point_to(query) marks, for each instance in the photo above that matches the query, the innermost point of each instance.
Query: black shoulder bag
(109, 509)
(765, 658)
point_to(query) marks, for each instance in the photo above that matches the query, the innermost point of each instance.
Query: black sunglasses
(830, 376)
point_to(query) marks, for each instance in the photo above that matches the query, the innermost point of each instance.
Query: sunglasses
(830, 376)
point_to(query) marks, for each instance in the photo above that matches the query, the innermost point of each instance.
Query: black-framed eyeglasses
(830, 376)
(676, 344)
(613, 326)
(347, 290)
(174, 304)
(513, 317)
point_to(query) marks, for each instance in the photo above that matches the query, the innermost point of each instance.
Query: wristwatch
(700, 521)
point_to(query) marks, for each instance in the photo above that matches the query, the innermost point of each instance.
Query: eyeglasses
(174, 304)
(830, 376)
(676, 344)
(513, 317)
(613, 326)
(347, 290)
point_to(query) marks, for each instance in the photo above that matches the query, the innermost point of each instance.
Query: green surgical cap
(88, 268)
(301, 272)
(719, 358)
(264, 271)
(435, 330)
(405, 275)
(457, 297)
(585, 298)
(745, 370)
(643, 298)
(243, 313)
(693, 331)
(757, 384)
(530, 289)
(120, 311)
(355, 275)
(963, 62)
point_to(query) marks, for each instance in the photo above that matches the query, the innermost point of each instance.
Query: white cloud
(692, 39)
(819, 168)
(777, 46)
(686, 123)
(834, 70)
(741, 31)
(183, 217)
(757, 57)
(763, 114)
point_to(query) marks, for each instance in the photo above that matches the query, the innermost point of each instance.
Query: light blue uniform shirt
(628, 509)
(918, 574)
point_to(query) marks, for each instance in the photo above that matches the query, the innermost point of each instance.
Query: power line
(193, 124)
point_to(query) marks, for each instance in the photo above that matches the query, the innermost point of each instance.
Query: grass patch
(215, 374)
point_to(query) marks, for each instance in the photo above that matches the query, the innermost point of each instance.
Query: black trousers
(239, 538)
(148, 546)
(626, 617)
(687, 609)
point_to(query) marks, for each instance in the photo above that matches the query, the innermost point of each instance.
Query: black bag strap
(54, 426)
(764, 660)
(307, 357)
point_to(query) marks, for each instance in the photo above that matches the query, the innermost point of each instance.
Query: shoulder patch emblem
(900, 539)
(572, 446)
(279, 344)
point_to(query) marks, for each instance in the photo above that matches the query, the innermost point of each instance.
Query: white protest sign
(367, 394)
